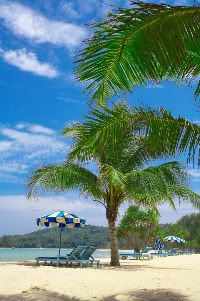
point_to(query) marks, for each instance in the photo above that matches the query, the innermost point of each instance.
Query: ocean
(21, 254)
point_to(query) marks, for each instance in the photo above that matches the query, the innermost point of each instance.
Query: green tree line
(188, 226)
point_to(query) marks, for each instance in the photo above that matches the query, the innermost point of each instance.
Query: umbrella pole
(58, 256)
(60, 241)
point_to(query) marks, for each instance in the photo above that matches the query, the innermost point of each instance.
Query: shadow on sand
(131, 266)
(37, 294)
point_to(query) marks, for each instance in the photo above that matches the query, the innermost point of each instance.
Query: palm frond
(111, 178)
(62, 178)
(160, 184)
(165, 135)
(157, 180)
(197, 91)
(173, 173)
(147, 42)
(100, 127)
(186, 194)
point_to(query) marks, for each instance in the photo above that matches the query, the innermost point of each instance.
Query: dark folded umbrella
(158, 244)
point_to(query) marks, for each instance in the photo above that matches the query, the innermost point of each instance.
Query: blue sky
(39, 96)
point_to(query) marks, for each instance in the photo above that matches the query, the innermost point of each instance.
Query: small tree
(175, 230)
(195, 243)
(139, 227)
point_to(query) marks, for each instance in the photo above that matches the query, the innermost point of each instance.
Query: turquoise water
(30, 254)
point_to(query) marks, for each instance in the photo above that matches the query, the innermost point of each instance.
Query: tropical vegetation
(142, 43)
(121, 172)
(48, 238)
(191, 223)
(139, 227)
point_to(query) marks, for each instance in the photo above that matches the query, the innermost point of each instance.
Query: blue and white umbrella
(61, 219)
(172, 238)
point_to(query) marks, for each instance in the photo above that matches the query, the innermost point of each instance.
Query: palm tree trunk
(113, 243)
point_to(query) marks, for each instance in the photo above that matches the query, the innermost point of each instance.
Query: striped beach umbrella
(172, 238)
(61, 219)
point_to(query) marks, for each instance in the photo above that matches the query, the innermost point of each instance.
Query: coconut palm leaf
(64, 177)
(186, 194)
(165, 134)
(197, 92)
(111, 177)
(157, 181)
(133, 46)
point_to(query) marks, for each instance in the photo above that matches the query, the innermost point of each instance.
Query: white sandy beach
(172, 278)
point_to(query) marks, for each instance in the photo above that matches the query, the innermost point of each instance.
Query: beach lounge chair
(136, 255)
(189, 252)
(159, 254)
(156, 253)
(173, 252)
(85, 258)
(74, 254)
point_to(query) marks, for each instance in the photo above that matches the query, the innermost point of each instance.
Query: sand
(171, 278)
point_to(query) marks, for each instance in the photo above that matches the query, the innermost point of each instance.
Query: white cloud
(25, 22)
(10, 167)
(69, 10)
(5, 146)
(35, 128)
(28, 61)
(195, 174)
(78, 9)
(45, 204)
(21, 125)
(26, 146)
(7, 178)
(38, 154)
(30, 141)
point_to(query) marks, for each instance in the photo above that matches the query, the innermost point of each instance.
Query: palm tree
(123, 172)
(133, 46)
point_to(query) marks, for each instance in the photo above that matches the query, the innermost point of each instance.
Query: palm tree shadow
(103, 266)
(38, 294)
(149, 295)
